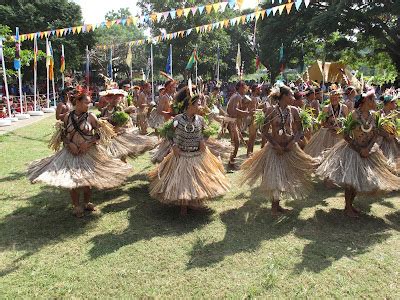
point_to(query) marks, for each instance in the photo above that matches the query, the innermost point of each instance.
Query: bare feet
(283, 210)
(232, 166)
(78, 211)
(90, 206)
(350, 212)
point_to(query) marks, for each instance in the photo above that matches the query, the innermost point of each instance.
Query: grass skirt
(218, 148)
(94, 169)
(131, 143)
(323, 139)
(155, 119)
(189, 179)
(346, 167)
(391, 150)
(289, 173)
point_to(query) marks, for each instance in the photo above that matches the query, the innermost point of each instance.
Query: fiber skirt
(190, 179)
(131, 143)
(94, 169)
(289, 173)
(323, 139)
(346, 167)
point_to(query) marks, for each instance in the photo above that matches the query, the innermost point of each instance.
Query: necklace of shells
(366, 125)
(285, 114)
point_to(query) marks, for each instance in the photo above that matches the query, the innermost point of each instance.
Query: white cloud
(94, 11)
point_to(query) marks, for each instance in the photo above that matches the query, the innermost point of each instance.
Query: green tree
(327, 28)
(42, 15)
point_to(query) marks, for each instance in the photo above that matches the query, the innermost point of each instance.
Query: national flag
(49, 60)
(168, 67)
(17, 60)
(35, 53)
(238, 61)
(148, 68)
(193, 58)
(62, 64)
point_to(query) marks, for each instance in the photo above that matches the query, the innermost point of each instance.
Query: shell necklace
(366, 125)
(284, 116)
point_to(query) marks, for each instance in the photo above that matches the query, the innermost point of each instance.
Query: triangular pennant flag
(208, 8)
(275, 9)
(179, 12)
(306, 2)
(197, 29)
(289, 7)
(186, 12)
(298, 4)
(221, 24)
(53, 32)
(268, 11)
(58, 32)
(243, 18)
(118, 21)
(258, 14)
(135, 20)
(78, 29)
(216, 7)
(232, 3)
(232, 21)
(159, 16)
(252, 16)
(62, 31)
(247, 18)
(193, 10)
(223, 6)
(83, 28)
(165, 15)
(189, 31)
(108, 24)
(173, 14)
(123, 22)
(226, 23)
(153, 17)
(281, 8)
(201, 9)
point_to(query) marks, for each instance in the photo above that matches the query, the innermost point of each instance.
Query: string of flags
(243, 19)
(158, 17)
(155, 17)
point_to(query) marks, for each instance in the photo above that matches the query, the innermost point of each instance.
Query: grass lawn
(136, 247)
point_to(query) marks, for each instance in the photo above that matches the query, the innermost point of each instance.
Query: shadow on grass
(13, 176)
(44, 138)
(46, 220)
(147, 219)
(331, 234)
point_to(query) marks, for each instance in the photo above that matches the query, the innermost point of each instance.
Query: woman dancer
(356, 163)
(191, 174)
(327, 136)
(282, 166)
(82, 163)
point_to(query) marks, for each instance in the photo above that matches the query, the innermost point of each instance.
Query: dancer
(65, 105)
(191, 174)
(252, 106)
(350, 95)
(327, 136)
(82, 163)
(235, 114)
(127, 142)
(390, 144)
(163, 111)
(143, 104)
(356, 163)
(282, 166)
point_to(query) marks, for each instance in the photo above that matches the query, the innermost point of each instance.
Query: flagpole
(62, 73)
(131, 74)
(35, 73)
(196, 64)
(87, 68)
(152, 72)
(170, 53)
(3, 63)
(218, 63)
(19, 71)
(47, 69)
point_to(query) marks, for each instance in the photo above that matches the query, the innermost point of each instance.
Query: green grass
(136, 247)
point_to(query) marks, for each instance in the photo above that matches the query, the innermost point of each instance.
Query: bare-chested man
(252, 106)
(235, 112)
(143, 104)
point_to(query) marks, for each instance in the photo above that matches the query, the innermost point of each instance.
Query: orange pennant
(243, 19)
(263, 14)
(208, 8)
(289, 7)
(179, 12)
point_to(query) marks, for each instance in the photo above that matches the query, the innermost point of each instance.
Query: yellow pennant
(289, 7)
(209, 8)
